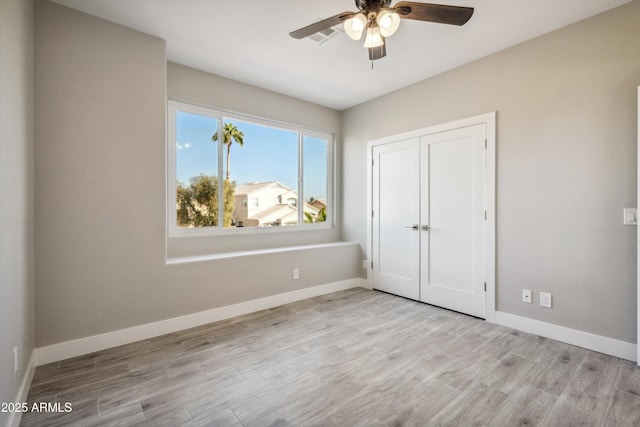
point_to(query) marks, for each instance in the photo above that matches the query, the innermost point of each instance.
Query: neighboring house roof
(277, 212)
(246, 189)
(311, 208)
(319, 203)
(273, 213)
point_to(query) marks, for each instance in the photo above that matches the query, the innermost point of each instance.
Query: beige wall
(16, 193)
(100, 185)
(566, 164)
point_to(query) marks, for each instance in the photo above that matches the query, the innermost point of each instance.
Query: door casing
(638, 242)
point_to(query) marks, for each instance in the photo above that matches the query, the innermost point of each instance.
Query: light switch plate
(630, 216)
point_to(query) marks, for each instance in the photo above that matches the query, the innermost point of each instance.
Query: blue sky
(268, 154)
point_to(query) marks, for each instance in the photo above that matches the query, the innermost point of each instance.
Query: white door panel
(396, 209)
(453, 205)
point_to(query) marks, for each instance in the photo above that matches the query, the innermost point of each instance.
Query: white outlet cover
(630, 216)
(545, 299)
(526, 296)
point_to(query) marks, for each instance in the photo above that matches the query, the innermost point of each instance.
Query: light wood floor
(352, 358)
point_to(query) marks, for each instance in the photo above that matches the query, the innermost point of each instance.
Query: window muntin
(272, 168)
(315, 178)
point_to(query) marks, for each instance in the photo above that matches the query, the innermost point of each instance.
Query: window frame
(220, 115)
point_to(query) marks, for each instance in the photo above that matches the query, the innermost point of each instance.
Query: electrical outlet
(630, 216)
(526, 296)
(296, 273)
(15, 360)
(545, 299)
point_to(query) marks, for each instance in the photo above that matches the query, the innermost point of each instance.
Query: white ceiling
(248, 40)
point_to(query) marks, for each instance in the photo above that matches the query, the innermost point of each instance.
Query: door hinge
(373, 162)
(485, 143)
(485, 286)
(485, 215)
(371, 214)
(372, 265)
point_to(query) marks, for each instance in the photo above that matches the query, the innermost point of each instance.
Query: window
(252, 173)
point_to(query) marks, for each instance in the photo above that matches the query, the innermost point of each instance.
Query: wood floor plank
(93, 377)
(272, 420)
(591, 386)
(524, 407)
(428, 367)
(56, 371)
(351, 358)
(419, 403)
(477, 406)
(508, 374)
(629, 379)
(466, 369)
(567, 352)
(501, 344)
(175, 395)
(565, 414)
(216, 398)
(224, 418)
(82, 413)
(270, 400)
(465, 343)
(624, 410)
(534, 348)
(555, 376)
(123, 416)
(292, 367)
(312, 409)
(366, 407)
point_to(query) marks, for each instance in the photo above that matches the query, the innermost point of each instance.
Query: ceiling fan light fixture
(388, 21)
(355, 25)
(380, 21)
(373, 37)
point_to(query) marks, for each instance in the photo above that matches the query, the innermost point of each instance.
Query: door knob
(413, 227)
(425, 228)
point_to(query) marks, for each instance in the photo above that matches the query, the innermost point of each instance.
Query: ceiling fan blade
(320, 25)
(378, 52)
(440, 13)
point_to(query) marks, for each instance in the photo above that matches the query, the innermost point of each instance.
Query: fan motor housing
(372, 5)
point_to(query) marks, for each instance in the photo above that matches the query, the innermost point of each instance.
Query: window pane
(315, 179)
(261, 170)
(196, 171)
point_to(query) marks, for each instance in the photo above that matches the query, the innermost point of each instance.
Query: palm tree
(230, 133)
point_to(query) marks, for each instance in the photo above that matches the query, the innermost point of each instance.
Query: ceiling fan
(377, 20)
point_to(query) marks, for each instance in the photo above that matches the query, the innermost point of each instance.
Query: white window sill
(225, 255)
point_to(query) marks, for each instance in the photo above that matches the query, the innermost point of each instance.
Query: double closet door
(428, 219)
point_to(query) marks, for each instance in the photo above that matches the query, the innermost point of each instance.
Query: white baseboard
(23, 391)
(67, 349)
(583, 339)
